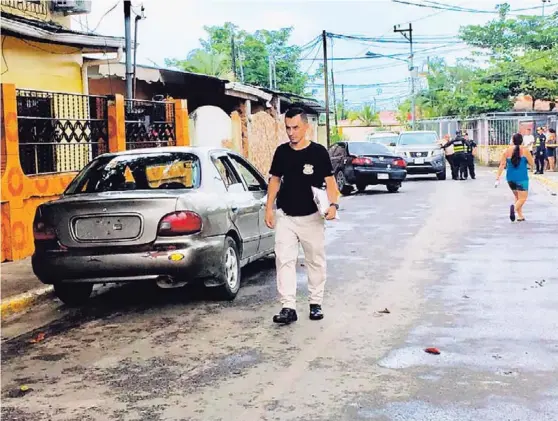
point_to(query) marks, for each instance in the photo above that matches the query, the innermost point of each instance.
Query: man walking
(297, 167)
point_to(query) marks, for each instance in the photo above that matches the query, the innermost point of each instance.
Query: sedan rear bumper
(191, 258)
(371, 176)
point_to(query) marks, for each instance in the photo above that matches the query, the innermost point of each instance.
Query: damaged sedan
(170, 215)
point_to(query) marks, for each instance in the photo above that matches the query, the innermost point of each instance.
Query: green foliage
(523, 60)
(200, 61)
(253, 51)
(505, 38)
(366, 115)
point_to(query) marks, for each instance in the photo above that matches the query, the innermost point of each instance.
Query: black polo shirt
(300, 170)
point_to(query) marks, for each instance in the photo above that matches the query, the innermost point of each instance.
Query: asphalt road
(441, 256)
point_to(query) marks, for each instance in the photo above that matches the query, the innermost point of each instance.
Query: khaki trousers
(309, 231)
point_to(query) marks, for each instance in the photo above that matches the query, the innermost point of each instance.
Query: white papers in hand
(322, 201)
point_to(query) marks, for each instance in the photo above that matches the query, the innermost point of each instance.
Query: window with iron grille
(60, 132)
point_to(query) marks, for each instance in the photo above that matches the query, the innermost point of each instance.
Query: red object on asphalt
(434, 351)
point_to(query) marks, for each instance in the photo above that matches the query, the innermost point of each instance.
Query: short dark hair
(293, 112)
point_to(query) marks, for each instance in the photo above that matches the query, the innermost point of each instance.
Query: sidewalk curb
(22, 302)
(551, 184)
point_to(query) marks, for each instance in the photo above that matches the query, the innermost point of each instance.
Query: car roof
(198, 150)
(383, 134)
(418, 131)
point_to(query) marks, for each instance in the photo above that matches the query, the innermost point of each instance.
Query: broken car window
(145, 171)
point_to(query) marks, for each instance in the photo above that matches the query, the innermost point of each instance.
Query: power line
(451, 8)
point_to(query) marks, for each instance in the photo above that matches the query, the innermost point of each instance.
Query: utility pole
(274, 75)
(128, 39)
(270, 72)
(233, 55)
(138, 18)
(342, 102)
(411, 67)
(543, 3)
(324, 42)
(333, 90)
(334, 100)
(240, 58)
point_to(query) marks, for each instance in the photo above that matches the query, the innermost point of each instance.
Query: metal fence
(491, 129)
(60, 132)
(149, 124)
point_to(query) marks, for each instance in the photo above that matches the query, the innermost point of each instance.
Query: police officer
(540, 151)
(470, 147)
(459, 155)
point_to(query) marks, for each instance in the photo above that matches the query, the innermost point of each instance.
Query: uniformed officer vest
(459, 146)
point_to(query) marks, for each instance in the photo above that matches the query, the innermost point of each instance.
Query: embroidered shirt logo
(308, 169)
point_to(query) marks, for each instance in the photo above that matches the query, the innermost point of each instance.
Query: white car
(423, 153)
(388, 139)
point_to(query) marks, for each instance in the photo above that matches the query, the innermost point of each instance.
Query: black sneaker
(285, 316)
(316, 312)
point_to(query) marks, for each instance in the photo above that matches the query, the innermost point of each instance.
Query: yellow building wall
(36, 65)
(37, 10)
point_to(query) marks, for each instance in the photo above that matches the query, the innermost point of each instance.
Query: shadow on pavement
(137, 298)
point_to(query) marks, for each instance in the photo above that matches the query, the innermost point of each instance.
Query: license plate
(419, 160)
(383, 176)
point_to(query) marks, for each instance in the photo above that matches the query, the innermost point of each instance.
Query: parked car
(170, 215)
(388, 139)
(422, 152)
(362, 164)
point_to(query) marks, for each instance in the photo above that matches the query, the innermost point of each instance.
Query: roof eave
(90, 42)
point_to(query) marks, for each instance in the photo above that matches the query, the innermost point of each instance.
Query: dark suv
(363, 164)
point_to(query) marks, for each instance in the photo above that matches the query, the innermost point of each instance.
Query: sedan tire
(229, 273)
(344, 188)
(361, 187)
(73, 294)
(393, 188)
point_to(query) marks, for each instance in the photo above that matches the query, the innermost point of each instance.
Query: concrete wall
(211, 126)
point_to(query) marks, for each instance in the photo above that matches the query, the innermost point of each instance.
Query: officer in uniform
(459, 154)
(540, 150)
(470, 147)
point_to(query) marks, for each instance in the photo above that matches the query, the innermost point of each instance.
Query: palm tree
(211, 64)
(366, 115)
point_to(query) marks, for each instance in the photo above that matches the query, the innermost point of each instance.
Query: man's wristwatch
(335, 205)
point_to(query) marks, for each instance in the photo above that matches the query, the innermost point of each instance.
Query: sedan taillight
(361, 161)
(400, 163)
(43, 232)
(180, 223)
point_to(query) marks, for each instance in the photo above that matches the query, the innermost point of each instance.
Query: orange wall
(22, 194)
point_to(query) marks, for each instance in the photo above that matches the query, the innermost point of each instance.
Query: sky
(172, 28)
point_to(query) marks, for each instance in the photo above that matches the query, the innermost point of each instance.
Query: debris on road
(434, 351)
(385, 311)
(466, 296)
(19, 392)
(40, 337)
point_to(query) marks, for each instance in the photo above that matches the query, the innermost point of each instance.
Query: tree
(200, 61)
(253, 51)
(366, 115)
(505, 38)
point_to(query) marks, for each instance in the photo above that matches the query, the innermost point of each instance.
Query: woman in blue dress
(514, 160)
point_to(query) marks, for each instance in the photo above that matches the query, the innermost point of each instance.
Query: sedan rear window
(142, 171)
(368, 148)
